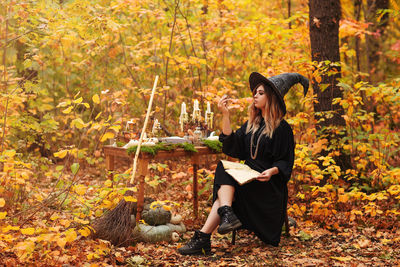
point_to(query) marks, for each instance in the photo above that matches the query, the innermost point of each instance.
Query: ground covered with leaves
(57, 235)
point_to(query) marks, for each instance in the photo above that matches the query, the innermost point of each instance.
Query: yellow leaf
(96, 99)
(78, 101)
(80, 189)
(153, 183)
(67, 110)
(54, 217)
(3, 215)
(84, 232)
(130, 199)
(78, 123)
(24, 249)
(10, 153)
(28, 231)
(70, 235)
(98, 115)
(107, 136)
(46, 237)
(2, 202)
(168, 208)
(80, 221)
(160, 168)
(108, 183)
(115, 128)
(91, 256)
(347, 258)
(343, 198)
(9, 227)
(167, 54)
(61, 154)
(86, 105)
(65, 223)
(61, 242)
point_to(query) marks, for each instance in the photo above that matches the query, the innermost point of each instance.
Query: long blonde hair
(272, 117)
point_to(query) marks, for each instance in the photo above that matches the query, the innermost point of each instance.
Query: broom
(116, 226)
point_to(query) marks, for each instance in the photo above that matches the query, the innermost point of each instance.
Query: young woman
(266, 144)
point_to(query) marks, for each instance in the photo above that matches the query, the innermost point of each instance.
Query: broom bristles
(116, 226)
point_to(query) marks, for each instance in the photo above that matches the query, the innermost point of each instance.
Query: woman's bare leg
(212, 220)
(225, 198)
(225, 195)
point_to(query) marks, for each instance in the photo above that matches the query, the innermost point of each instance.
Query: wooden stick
(143, 131)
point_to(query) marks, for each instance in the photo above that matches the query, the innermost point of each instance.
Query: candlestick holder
(196, 116)
(156, 130)
(183, 119)
(129, 132)
(209, 119)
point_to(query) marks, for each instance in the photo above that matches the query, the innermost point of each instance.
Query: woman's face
(259, 97)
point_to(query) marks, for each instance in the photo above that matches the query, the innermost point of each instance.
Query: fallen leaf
(28, 231)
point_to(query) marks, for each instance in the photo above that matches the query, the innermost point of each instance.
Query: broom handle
(143, 131)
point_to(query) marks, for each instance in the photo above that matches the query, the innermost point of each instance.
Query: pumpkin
(152, 234)
(176, 219)
(175, 236)
(146, 204)
(157, 216)
(179, 228)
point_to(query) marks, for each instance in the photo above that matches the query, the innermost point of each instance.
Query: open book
(242, 173)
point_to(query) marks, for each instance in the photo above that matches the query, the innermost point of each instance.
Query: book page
(242, 173)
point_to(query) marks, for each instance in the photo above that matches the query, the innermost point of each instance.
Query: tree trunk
(289, 7)
(324, 36)
(374, 42)
(357, 14)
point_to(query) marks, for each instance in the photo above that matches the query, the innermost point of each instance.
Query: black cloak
(260, 206)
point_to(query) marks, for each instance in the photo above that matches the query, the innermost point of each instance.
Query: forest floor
(309, 243)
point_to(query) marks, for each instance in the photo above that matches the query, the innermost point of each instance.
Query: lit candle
(182, 117)
(196, 111)
(208, 107)
(183, 108)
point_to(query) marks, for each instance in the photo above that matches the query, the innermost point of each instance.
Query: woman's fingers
(223, 103)
(264, 176)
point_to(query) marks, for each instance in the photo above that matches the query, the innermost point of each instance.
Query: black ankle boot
(199, 244)
(229, 221)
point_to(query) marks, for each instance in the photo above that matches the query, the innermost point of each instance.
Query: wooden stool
(287, 230)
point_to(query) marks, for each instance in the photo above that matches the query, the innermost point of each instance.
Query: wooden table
(112, 153)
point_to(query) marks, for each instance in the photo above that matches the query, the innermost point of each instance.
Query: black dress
(260, 206)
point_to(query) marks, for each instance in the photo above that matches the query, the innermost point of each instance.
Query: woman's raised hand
(223, 105)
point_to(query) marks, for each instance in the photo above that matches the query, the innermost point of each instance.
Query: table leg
(110, 162)
(142, 171)
(195, 162)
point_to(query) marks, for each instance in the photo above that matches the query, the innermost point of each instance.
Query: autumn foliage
(74, 72)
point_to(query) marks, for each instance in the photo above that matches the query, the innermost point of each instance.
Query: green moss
(162, 146)
(120, 144)
(187, 147)
(215, 145)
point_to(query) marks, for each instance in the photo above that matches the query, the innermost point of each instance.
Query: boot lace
(194, 240)
(227, 215)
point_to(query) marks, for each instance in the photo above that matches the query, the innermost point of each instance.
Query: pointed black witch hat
(280, 84)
